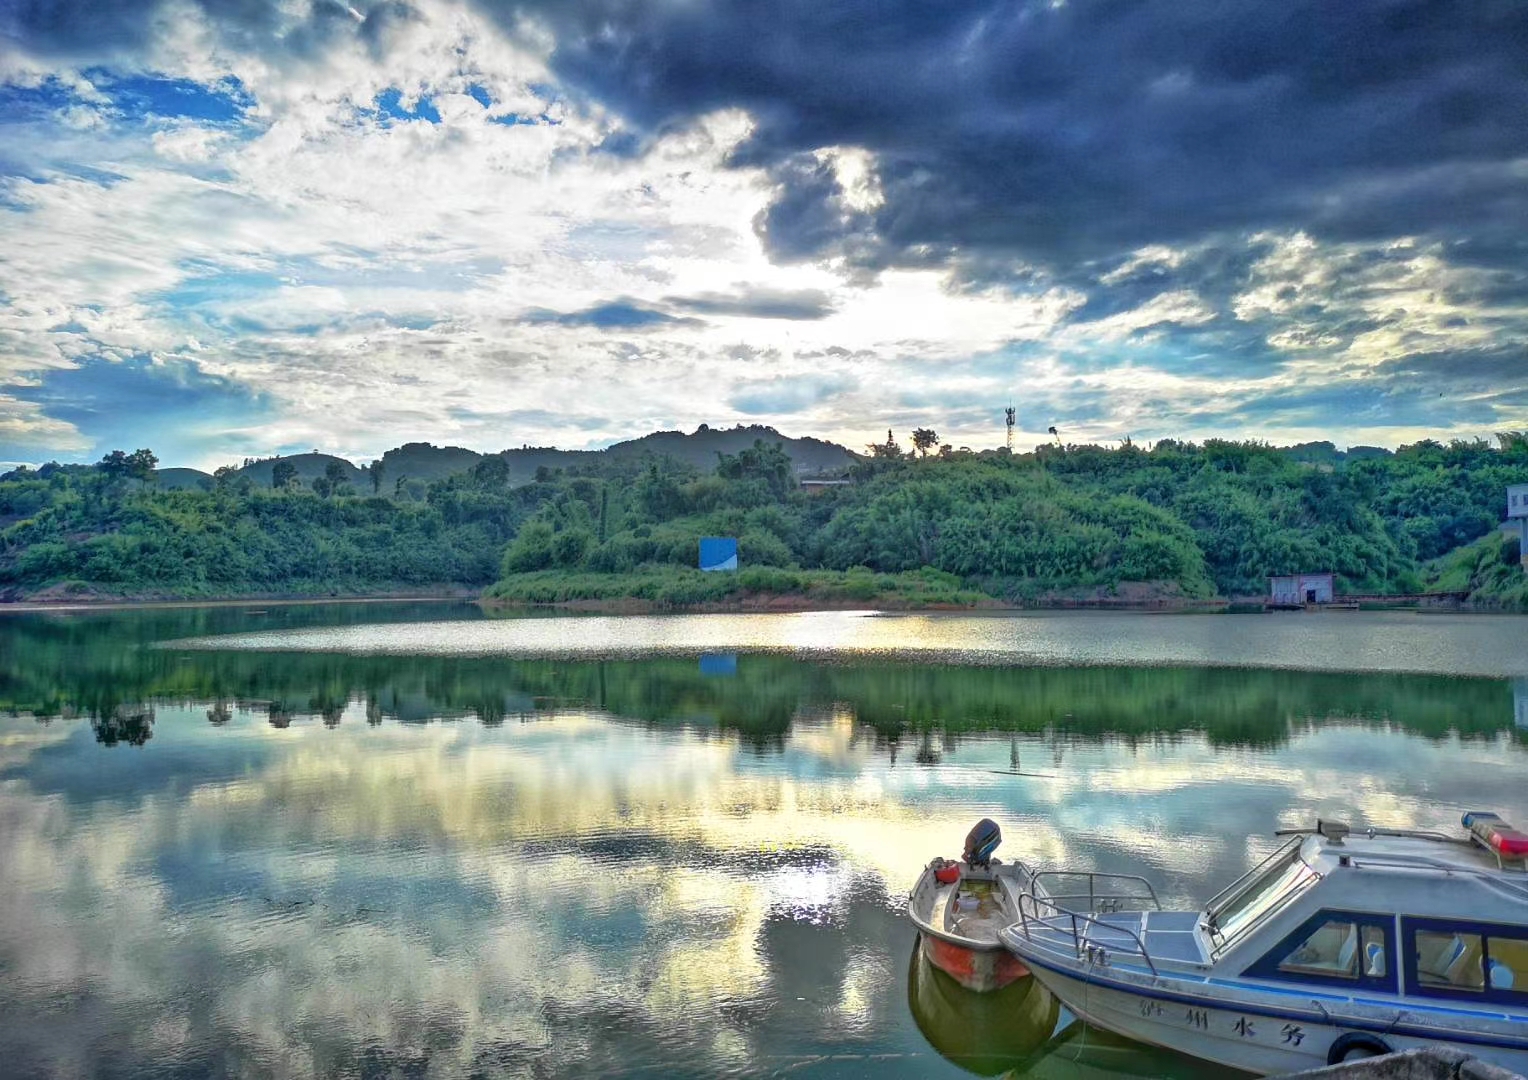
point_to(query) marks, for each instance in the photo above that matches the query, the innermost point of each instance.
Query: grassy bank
(758, 587)
(1490, 570)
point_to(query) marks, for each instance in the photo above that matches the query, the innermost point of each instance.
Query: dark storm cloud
(104, 31)
(758, 303)
(1373, 403)
(1463, 369)
(1031, 131)
(1060, 132)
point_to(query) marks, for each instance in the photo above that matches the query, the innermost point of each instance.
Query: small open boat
(959, 906)
(982, 1033)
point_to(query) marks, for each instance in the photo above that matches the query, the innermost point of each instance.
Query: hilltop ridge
(426, 463)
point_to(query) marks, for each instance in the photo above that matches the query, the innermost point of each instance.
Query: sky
(236, 228)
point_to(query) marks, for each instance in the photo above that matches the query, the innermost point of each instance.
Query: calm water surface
(411, 840)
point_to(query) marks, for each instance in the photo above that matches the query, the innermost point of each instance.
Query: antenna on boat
(1333, 831)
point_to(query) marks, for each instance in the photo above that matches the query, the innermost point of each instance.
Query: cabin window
(1339, 948)
(1450, 960)
(1372, 956)
(1260, 896)
(1331, 950)
(1333, 947)
(1507, 968)
(1468, 960)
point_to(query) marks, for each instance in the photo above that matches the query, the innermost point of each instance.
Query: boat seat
(1464, 969)
(1455, 963)
(1349, 948)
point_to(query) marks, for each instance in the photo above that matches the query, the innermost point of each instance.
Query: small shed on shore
(1296, 589)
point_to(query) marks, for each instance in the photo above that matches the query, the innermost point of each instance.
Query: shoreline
(117, 603)
(750, 604)
(763, 604)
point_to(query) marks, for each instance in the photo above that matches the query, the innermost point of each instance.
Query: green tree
(141, 465)
(888, 450)
(282, 475)
(491, 473)
(765, 465)
(924, 439)
(375, 471)
(335, 479)
(531, 549)
(114, 465)
(658, 494)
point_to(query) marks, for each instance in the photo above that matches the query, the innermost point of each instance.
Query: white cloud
(344, 263)
(1365, 304)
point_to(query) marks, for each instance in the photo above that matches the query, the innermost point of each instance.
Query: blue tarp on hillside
(718, 553)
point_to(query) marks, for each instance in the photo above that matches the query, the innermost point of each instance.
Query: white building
(1301, 589)
(1517, 518)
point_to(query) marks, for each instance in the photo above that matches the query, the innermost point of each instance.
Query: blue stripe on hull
(1449, 1035)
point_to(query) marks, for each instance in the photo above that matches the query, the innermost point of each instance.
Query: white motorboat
(959, 907)
(1340, 944)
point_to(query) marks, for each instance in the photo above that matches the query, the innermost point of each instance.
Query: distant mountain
(309, 467)
(1326, 453)
(426, 462)
(811, 457)
(182, 480)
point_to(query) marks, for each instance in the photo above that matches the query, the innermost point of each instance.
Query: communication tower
(1008, 422)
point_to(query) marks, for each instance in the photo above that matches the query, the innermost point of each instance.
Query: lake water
(415, 840)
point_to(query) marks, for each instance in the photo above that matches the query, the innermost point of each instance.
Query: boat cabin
(1404, 913)
(1418, 914)
(1339, 943)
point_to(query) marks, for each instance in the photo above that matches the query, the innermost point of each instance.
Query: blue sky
(240, 229)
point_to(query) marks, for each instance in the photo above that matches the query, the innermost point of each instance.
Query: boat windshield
(1264, 889)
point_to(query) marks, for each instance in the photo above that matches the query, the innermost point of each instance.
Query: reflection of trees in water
(55, 673)
(133, 725)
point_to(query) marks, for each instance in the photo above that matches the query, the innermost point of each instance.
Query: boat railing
(1090, 937)
(1105, 892)
(1221, 900)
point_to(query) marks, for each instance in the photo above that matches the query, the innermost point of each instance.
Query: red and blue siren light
(1491, 832)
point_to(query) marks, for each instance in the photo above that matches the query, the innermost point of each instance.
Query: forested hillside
(1181, 519)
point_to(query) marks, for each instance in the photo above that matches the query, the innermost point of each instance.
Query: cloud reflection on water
(449, 888)
(446, 865)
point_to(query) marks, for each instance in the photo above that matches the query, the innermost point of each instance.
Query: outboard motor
(981, 842)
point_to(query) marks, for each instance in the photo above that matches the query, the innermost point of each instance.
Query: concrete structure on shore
(1295, 590)
(1517, 519)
